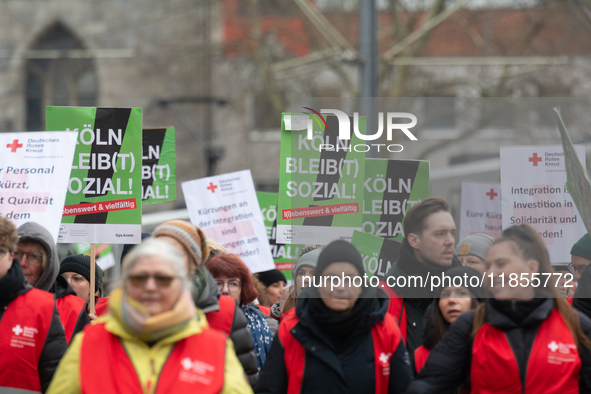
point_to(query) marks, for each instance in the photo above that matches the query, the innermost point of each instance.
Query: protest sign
(320, 181)
(225, 207)
(158, 165)
(104, 256)
(533, 191)
(378, 254)
(34, 174)
(480, 210)
(578, 184)
(285, 256)
(103, 204)
(391, 188)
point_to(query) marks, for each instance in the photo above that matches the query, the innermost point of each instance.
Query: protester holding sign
(427, 249)
(154, 339)
(32, 339)
(221, 311)
(337, 340)
(525, 339)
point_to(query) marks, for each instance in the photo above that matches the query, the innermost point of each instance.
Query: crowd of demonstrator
(188, 317)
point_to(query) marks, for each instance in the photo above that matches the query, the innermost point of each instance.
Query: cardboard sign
(320, 183)
(225, 207)
(480, 210)
(533, 190)
(103, 204)
(391, 188)
(158, 165)
(34, 174)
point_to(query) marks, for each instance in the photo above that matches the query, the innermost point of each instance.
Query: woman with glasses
(234, 279)
(525, 338)
(154, 340)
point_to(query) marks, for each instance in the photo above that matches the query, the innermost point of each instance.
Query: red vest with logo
(396, 309)
(101, 306)
(421, 355)
(222, 319)
(553, 365)
(69, 308)
(23, 330)
(386, 338)
(195, 365)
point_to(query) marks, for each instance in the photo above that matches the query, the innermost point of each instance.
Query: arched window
(57, 80)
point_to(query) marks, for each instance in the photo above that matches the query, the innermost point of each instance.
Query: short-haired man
(427, 250)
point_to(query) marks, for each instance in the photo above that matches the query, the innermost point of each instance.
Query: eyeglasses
(76, 279)
(32, 259)
(162, 281)
(233, 285)
(574, 269)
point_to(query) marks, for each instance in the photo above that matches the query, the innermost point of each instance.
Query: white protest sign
(533, 190)
(480, 209)
(226, 208)
(34, 174)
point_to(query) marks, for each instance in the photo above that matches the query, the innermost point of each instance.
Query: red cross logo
(535, 159)
(492, 194)
(211, 187)
(14, 146)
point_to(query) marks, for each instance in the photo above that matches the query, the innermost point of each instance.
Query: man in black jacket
(427, 251)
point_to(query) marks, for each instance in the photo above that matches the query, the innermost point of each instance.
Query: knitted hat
(471, 281)
(190, 236)
(80, 264)
(582, 247)
(475, 245)
(309, 259)
(338, 251)
(267, 278)
(128, 247)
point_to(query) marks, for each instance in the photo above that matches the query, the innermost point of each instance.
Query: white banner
(226, 208)
(533, 189)
(481, 209)
(34, 173)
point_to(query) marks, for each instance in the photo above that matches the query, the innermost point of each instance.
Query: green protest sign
(103, 203)
(285, 256)
(391, 188)
(379, 254)
(104, 256)
(158, 165)
(321, 180)
(578, 183)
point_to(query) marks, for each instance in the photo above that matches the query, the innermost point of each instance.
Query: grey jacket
(32, 231)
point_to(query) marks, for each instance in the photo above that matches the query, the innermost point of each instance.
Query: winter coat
(66, 299)
(34, 232)
(414, 300)
(450, 362)
(13, 289)
(326, 371)
(148, 361)
(207, 301)
(581, 300)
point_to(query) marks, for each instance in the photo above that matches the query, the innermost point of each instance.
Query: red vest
(195, 365)
(396, 308)
(553, 364)
(421, 355)
(570, 299)
(101, 306)
(23, 330)
(386, 338)
(265, 309)
(69, 308)
(222, 319)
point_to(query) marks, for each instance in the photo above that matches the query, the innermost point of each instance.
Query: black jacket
(416, 299)
(13, 285)
(327, 371)
(62, 288)
(207, 301)
(582, 296)
(449, 363)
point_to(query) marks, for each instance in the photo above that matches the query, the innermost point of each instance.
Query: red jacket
(70, 308)
(421, 355)
(222, 319)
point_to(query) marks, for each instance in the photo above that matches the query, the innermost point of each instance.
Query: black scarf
(12, 283)
(517, 311)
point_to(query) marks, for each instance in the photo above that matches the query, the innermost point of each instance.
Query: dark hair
(435, 326)
(414, 221)
(526, 242)
(232, 266)
(8, 235)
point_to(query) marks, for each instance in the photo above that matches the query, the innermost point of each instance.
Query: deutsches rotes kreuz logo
(385, 361)
(561, 353)
(17, 330)
(195, 371)
(23, 336)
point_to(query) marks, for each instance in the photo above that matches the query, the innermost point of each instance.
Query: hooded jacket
(326, 370)
(449, 363)
(148, 361)
(34, 232)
